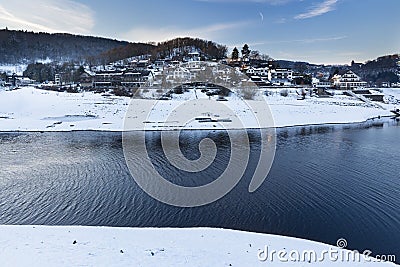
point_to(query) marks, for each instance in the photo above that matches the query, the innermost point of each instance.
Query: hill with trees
(183, 46)
(383, 69)
(27, 47)
(176, 49)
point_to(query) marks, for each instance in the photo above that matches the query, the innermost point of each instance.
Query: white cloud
(319, 9)
(157, 34)
(317, 40)
(47, 15)
(280, 21)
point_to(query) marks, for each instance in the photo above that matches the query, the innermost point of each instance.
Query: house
(321, 84)
(24, 81)
(348, 81)
(57, 79)
(86, 79)
(277, 75)
(182, 73)
(107, 78)
(259, 81)
(141, 64)
(128, 78)
(137, 78)
(16, 80)
(263, 72)
(282, 76)
(193, 66)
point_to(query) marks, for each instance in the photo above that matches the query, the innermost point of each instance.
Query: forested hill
(25, 47)
(176, 49)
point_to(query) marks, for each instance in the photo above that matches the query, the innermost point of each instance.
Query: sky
(316, 31)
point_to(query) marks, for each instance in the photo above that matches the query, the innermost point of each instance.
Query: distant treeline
(28, 47)
(46, 72)
(383, 69)
(121, 52)
(209, 49)
(175, 49)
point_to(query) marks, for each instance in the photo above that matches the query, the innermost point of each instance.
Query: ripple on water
(326, 182)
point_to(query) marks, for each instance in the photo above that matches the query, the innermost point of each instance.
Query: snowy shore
(30, 109)
(105, 246)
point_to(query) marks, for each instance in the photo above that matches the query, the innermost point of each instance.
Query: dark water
(327, 182)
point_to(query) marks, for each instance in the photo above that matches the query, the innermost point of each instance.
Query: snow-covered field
(39, 110)
(102, 246)
(30, 109)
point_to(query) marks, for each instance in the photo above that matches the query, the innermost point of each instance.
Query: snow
(104, 246)
(392, 94)
(31, 109)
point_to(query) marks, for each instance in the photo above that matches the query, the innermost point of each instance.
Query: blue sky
(318, 31)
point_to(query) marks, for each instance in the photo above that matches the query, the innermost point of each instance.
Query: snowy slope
(100, 246)
(30, 109)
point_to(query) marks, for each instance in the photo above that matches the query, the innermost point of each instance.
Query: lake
(327, 182)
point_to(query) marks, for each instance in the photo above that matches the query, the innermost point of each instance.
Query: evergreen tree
(235, 54)
(245, 51)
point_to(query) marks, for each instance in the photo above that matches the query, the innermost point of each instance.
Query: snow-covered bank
(103, 246)
(30, 109)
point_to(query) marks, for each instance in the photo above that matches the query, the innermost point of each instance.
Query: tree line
(26, 47)
(46, 72)
(176, 49)
(248, 54)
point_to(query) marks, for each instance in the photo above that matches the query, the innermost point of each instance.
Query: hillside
(26, 47)
(176, 49)
(382, 69)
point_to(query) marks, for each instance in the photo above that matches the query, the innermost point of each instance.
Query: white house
(317, 83)
(348, 81)
(57, 79)
(263, 72)
(182, 73)
(193, 66)
(280, 75)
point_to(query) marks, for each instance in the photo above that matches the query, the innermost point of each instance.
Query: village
(101, 97)
(130, 76)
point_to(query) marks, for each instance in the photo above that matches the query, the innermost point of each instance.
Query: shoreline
(202, 129)
(105, 246)
(35, 110)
